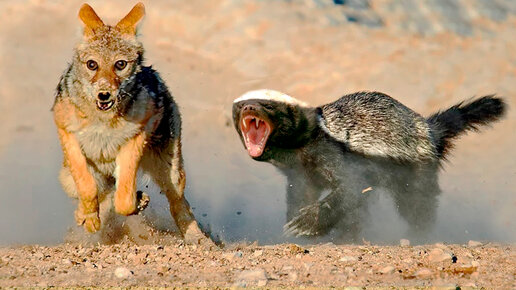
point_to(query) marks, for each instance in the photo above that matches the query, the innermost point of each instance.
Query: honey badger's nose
(103, 96)
(248, 108)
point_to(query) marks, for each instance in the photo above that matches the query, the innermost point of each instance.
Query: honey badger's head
(269, 122)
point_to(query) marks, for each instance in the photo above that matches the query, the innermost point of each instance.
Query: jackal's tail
(449, 124)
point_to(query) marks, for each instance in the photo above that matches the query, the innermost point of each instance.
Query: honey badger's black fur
(362, 140)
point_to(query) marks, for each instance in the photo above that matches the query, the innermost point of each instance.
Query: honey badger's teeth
(244, 123)
(257, 123)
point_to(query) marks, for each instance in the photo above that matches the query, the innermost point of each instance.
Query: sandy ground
(209, 52)
(444, 266)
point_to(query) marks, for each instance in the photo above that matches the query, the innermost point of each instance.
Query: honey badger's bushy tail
(449, 124)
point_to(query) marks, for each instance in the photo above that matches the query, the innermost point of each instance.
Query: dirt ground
(445, 266)
(210, 52)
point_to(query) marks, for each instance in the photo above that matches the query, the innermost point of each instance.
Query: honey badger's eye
(120, 64)
(92, 65)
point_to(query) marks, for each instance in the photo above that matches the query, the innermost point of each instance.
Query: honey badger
(333, 153)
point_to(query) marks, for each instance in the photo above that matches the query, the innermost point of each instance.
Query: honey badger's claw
(143, 200)
(304, 224)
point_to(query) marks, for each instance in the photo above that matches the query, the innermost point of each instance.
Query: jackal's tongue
(255, 133)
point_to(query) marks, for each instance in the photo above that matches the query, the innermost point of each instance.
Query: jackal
(115, 116)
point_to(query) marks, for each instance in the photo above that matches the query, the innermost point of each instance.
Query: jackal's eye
(120, 64)
(92, 65)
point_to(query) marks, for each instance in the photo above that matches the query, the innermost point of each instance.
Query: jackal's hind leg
(166, 169)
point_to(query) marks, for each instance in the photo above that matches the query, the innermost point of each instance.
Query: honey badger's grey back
(374, 124)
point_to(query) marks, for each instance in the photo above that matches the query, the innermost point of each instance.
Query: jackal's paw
(200, 240)
(194, 236)
(142, 200)
(125, 203)
(90, 221)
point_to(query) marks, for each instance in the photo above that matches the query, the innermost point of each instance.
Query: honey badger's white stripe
(270, 95)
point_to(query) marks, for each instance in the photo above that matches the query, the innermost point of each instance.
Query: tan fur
(128, 24)
(104, 148)
(128, 160)
(90, 19)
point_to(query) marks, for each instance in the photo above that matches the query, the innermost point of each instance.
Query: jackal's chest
(101, 142)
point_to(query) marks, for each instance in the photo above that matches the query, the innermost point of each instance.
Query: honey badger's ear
(128, 24)
(90, 19)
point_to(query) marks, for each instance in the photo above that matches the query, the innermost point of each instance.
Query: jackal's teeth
(257, 123)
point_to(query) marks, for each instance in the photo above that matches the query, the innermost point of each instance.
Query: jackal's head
(107, 55)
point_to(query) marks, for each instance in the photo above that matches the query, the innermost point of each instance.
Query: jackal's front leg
(87, 212)
(127, 163)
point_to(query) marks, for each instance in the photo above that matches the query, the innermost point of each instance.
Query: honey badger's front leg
(87, 212)
(127, 163)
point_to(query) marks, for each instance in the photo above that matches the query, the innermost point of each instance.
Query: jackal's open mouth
(104, 106)
(256, 132)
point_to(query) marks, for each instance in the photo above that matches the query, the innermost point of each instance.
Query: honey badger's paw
(90, 221)
(304, 224)
(313, 220)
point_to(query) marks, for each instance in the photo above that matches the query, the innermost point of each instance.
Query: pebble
(424, 273)
(438, 255)
(232, 255)
(404, 242)
(257, 253)
(252, 277)
(347, 259)
(474, 244)
(387, 270)
(292, 276)
(123, 273)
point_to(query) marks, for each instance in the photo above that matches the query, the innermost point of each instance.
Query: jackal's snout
(105, 100)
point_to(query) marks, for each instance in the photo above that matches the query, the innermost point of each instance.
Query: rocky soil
(286, 265)
(429, 55)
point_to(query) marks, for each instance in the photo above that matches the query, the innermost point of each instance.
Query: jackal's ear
(128, 24)
(90, 19)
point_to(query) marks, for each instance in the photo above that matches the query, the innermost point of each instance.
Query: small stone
(308, 266)
(424, 273)
(252, 277)
(404, 242)
(438, 255)
(258, 253)
(232, 255)
(292, 276)
(474, 244)
(123, 273)
(475, 263)
(347, 259)
(387, 270)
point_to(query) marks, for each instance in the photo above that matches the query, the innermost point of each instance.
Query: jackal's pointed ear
(90, 19)
(128, 24)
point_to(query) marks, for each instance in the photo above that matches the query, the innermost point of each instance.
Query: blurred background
(427, 54)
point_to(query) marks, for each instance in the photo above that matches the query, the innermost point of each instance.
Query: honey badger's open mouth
(255, 131)
(104, 106)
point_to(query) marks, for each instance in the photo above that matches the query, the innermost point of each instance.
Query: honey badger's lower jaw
(255, 131)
